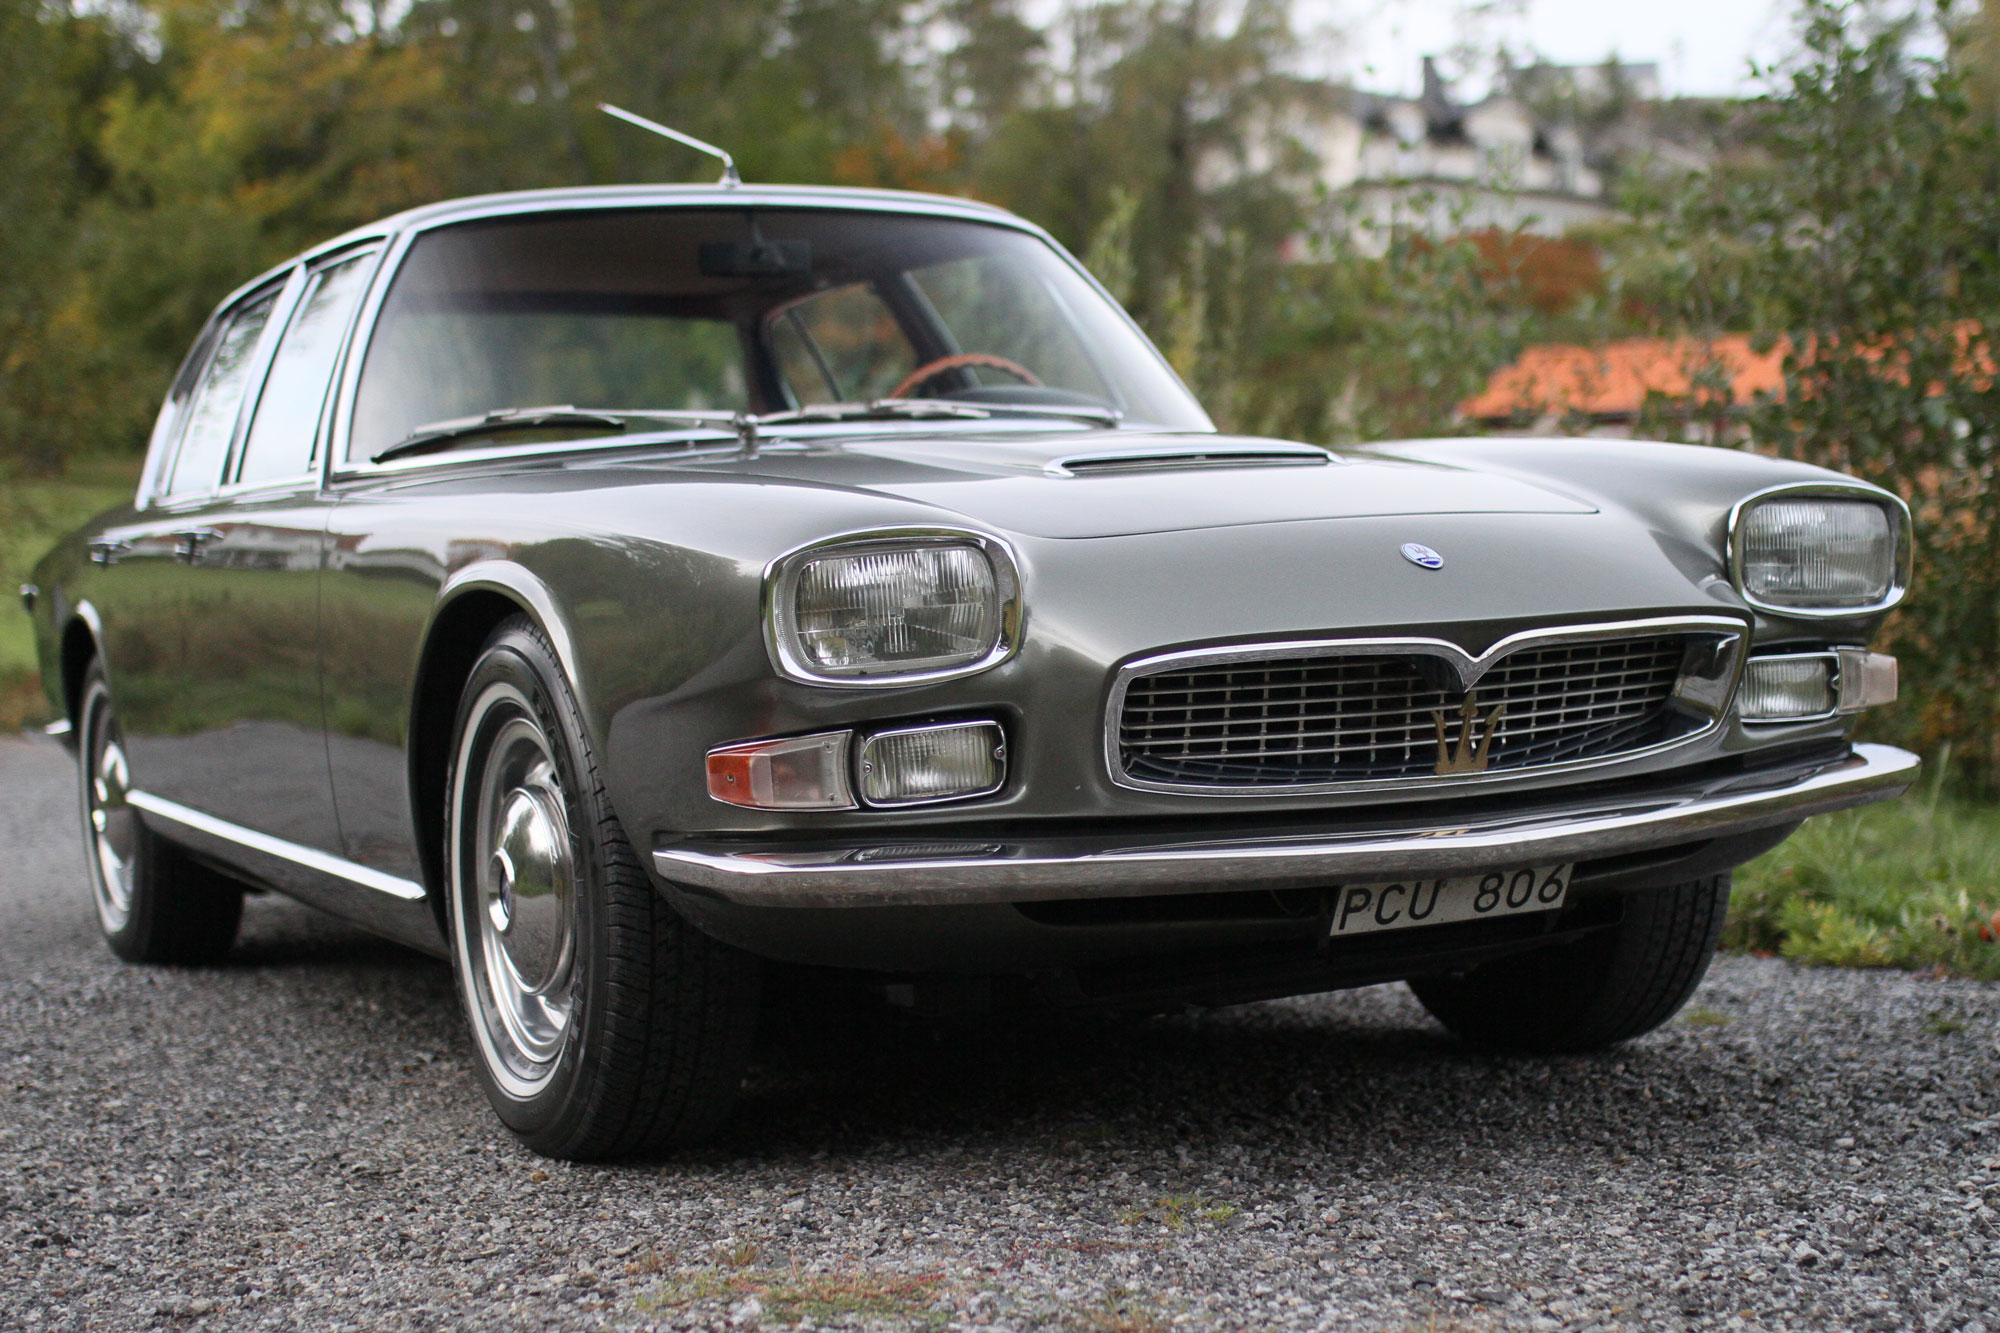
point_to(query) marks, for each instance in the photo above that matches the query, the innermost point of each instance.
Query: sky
(1703, 47)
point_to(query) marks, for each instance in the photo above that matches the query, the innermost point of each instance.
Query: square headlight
(1820, 552)
(925, 606)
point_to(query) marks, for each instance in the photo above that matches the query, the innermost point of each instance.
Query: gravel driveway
(295, 1141)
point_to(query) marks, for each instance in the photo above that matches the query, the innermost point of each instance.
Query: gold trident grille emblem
(1467, 758)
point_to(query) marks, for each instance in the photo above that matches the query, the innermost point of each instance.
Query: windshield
(745, 310)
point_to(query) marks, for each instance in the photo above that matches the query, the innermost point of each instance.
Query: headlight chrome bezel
(1900, 565)
(779, 611)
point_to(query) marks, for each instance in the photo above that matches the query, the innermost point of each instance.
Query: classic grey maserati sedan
(623, 591)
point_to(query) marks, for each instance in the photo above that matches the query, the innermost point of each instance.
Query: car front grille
(1326, 717)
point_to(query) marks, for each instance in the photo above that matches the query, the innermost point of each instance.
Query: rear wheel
(153, 903)
(605, 1024)
(1610, 986)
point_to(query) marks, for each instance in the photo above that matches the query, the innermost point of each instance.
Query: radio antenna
(730, 180)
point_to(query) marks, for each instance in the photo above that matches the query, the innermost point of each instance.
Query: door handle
(106, 550)
(189, 541)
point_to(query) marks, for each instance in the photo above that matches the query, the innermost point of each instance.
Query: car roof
(677, 196)
(651, 196)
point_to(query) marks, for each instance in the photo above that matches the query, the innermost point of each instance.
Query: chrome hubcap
(110, 824)
(514, 892)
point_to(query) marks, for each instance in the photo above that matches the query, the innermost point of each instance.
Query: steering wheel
(930, 370)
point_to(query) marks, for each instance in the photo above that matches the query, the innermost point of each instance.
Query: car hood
(1100, 484)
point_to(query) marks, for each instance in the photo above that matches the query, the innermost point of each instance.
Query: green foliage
(1908, 884)
(34, 514)
(1864, 239)
(161, 152)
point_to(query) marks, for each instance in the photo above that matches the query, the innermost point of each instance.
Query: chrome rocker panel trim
(995, 872)
(309, 857)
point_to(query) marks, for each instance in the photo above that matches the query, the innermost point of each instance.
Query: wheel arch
(470, 606)
(82, 640)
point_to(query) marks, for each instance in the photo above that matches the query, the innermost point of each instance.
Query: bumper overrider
(1575, 827)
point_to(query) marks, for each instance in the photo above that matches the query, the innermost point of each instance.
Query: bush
(1910, 884)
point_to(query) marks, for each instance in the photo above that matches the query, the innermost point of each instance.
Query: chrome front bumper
(969, 870)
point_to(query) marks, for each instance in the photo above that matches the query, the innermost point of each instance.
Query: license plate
(1360, 908)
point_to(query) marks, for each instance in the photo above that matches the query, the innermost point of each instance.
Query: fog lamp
(915, 765)
(1787, 688)
(797, 773)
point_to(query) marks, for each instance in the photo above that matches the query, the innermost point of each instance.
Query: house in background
(1537, 154)
(1607, 391)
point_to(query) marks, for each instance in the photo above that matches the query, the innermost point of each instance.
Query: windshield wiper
(921, 409)
(442, 434)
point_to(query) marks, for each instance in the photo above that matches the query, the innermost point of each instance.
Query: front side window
(211, 416)
(750, 309)
(279, 443)
(841, 346)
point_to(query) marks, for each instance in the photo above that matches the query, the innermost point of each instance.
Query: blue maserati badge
(1419, 554)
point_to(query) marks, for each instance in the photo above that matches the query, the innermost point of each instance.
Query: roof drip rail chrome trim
(309, 857)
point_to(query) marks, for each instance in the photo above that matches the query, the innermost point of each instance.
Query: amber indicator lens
(1814, 553)
(919, 764)
(797, 773)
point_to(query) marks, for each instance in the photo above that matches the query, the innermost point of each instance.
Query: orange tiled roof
(1613, 380)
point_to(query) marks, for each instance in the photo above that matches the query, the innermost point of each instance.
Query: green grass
(790, 1296)
(34, 514)
(1912, 884)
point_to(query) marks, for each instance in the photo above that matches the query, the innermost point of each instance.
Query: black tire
(605, 1025)
(1609, 987)
(154, 904)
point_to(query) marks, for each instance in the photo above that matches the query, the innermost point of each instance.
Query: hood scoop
(1187, 459)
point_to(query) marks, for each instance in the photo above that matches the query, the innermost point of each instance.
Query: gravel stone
(295, 1141)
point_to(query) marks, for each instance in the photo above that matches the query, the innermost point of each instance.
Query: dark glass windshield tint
(756, 310)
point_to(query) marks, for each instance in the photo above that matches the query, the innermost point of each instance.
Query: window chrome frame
(307, 271)
(1710, 704)
(780, 581)
(1902, 562)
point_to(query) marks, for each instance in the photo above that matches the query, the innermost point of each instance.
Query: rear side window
(280, 440)
(211, 418)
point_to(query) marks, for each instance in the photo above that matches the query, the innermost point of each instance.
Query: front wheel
(1612, 985)
(605, 1024)
(154, 904)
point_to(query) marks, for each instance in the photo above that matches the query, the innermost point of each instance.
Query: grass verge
(34, 514)
(1907, 884)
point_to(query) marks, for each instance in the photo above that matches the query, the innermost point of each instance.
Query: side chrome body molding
(1578, 829)
(311, 858)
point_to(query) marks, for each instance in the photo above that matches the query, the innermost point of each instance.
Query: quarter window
(286, 422)
(211, 417)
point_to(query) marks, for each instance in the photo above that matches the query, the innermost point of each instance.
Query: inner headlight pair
(1821, 550)
(893, 608)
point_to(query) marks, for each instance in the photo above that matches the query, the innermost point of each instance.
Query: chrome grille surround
(1590, 695)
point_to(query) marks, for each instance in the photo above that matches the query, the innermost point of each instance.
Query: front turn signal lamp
(1805, 687)
(836, 770)
(796, 773)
